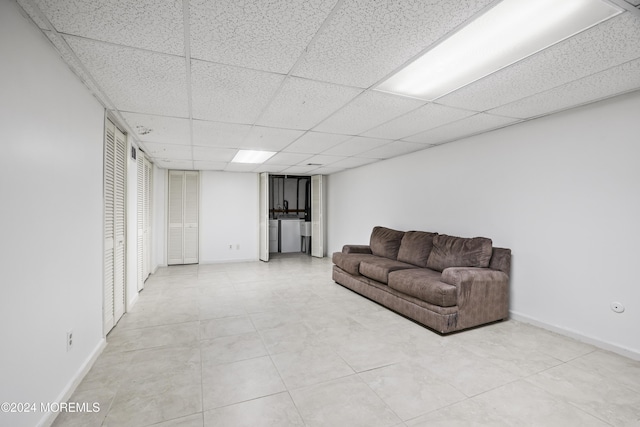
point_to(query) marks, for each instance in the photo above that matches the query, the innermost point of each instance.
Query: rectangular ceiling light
(507, 33)
(252, 156)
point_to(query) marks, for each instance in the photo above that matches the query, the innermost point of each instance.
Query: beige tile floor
(280, 344)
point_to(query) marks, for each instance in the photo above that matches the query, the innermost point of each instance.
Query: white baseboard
(48, 418)
(226, 261)
(133, 301)
(623, 351)
(156, 267)
(212, 261)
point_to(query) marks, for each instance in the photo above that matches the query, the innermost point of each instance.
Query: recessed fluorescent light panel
(507, 33)
(252, 156)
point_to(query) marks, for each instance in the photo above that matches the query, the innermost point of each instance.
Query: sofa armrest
(483, 294)
(356, 249)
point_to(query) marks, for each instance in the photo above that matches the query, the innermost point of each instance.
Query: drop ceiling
(194, 81)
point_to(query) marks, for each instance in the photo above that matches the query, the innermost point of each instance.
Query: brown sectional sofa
(444, 282)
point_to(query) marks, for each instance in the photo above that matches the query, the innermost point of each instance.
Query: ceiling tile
(352, 162)
(212, 154)
(611, 43)
(355, 146)
(168, 130)
(322, 160)
(267, 35)
(288, 159)
(616, 80)
(315, 142)
(367, 111)
(466, 127)
(266, 167)
(300, 169)
(145, 24)
(230, 94)
(217, 134)
(209, 166)
(168, 151)
(327, 170)
(366, 40)
(136, 80)
(174, 164)
(424, 118)
(302, 104)
(270, 139)
(76, 66)
(393, 149)
(240, 167)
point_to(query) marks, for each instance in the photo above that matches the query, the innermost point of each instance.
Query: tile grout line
(278, 371)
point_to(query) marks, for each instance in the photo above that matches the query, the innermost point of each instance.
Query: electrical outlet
(69, 340)
(230, 247)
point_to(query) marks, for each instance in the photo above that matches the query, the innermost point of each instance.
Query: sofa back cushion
(416, 247)
(450, 251)
(385, 242)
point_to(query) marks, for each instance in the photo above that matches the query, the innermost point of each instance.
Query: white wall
(50, 220)
(228, 216)
(561, 191)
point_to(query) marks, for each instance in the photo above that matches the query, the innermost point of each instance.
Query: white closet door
(120, 225)
(140, 221)
(115, 161)
(191, 214)
(176, 218)
(109, 240)
(183, 217)
(143, 219)
(148, 185)
(317, 216)
(264, 217)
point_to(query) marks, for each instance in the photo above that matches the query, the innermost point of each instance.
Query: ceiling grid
(194, 81)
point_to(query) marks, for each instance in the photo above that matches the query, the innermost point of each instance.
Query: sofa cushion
(416, 247)
(378, 269)
(450, 251)
(356, 249)
(425, 285)
(350, 262)
(385, 242)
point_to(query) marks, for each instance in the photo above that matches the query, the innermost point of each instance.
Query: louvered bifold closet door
(143, 219)
(115, 160)
(183, 217)
(191, 218)
(176, 218)
(109, 240)
(120, 225)
(146, 225)
(140, 221)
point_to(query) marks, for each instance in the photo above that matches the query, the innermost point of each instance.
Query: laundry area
(289, 214)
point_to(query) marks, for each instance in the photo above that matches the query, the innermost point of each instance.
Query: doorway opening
(289, 214)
